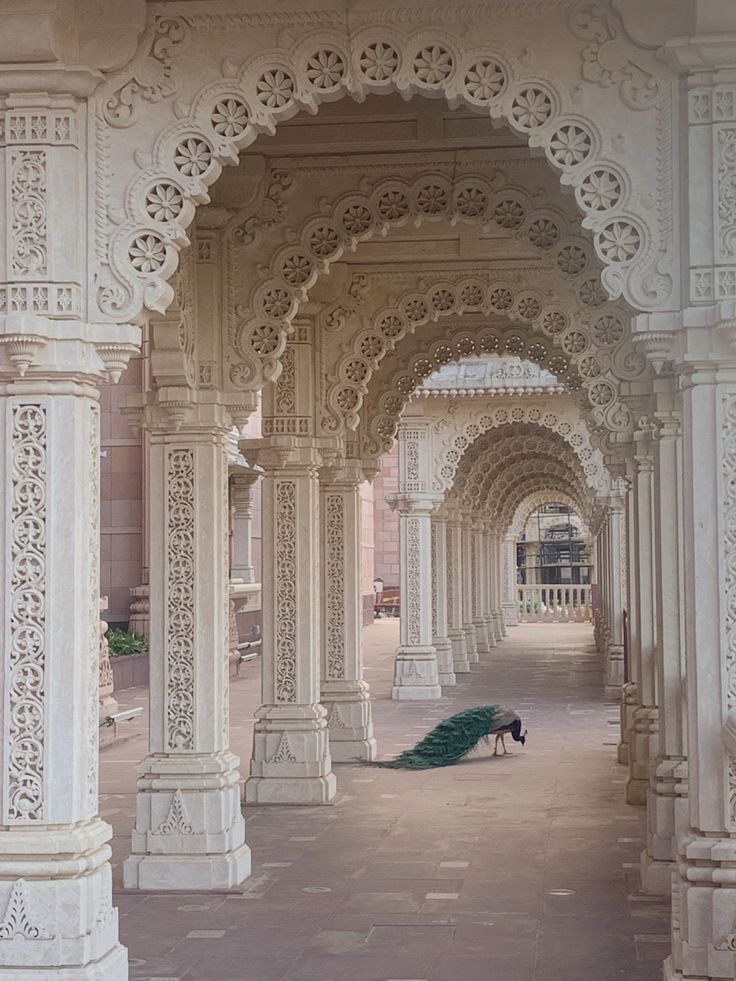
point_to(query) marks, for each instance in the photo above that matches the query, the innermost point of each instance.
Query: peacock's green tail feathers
(448, 742)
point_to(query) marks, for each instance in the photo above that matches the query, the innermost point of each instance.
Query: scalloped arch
(573, 433)
(536, 500)
(539, 338)
(188, 144)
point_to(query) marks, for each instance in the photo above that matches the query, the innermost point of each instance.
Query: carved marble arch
(463, 432)
(486, 491)
(502, 512)
(547, 489)
(589, 353)
(189, 112)
(537, 500)
(298, 256)
(485, 463)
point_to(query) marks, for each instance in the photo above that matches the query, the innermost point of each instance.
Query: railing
(554, 604)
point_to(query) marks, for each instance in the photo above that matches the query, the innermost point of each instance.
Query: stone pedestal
(291, 761)
(344, 693)
(189, 831)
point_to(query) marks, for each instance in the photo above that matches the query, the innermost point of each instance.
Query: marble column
(416, 673)
(486, 595)
(55, 875)
(667, 795)
(510, 605)
(344, 693)
(630, 699)
(614, 595)
(291, 761)
(497, 585)
(440, 639)
(455, 632)
(189, 831)
(471, 641)
(643, 733)
(704, 883)
(241, 501)
(479, 564)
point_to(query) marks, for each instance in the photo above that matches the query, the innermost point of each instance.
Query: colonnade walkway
(521, 868)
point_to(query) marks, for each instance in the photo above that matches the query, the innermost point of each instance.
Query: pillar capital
(416, 503)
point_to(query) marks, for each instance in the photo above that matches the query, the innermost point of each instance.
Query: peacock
(457, 736)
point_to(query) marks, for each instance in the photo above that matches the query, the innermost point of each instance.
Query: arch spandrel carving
(189, 113)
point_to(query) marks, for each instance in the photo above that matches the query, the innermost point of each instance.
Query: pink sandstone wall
(386, 522)
(121, 497)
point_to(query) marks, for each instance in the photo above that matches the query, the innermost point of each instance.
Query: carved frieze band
(25, 691)
(180, 571)
(335, 584)
(286, 562)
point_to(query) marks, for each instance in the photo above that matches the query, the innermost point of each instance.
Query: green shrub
(123, 642)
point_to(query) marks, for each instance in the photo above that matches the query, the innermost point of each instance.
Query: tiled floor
(515, 869)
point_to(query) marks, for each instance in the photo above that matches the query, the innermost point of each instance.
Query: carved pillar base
(415, 674)
(140, 610)
(642, 747)
(498, 625)
(510, 614)
(460, 661)
(629, 704)
(704, 911)
(189, 832)
(613, 668)
(349, 722)
(482, 635)
(667, 821)
(56, 915)
(445, 663)
(291, 761)
(489, 630)
(471, 649)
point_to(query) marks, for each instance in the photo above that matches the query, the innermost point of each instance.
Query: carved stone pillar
(630, 699)
(344, 693)
(471, 641)
(487, 586)
(56, 915)
(416, 675)
(291, 755)
(241, 502)
(189, 831)
(704, 884)
(613, 569)
(440, 639)
(108, 703)
(455, 594)
(643, 734)
(497, 585)
(667, 796)
(510, 606)
(479, 561)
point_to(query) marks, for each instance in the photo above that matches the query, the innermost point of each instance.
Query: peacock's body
(453, 738)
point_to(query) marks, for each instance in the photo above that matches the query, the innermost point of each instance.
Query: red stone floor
(512, 869)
